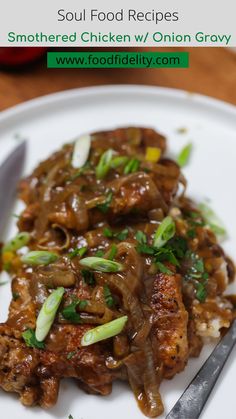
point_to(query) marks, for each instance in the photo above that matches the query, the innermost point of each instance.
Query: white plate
(50, 121)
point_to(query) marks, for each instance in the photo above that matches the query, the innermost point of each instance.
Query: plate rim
(40, 102)
(134, 89)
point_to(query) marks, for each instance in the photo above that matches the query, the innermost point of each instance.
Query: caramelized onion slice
(58, 238)
(143, 381)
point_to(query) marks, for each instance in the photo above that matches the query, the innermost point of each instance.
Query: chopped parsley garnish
(201, 292)
(193, 214)
(71, 354)
(30, 339)
(108, 296)
(176, 252)
(70, 312)
(195, 219)
(113, 252)
(88, 277)
(144, 248)
(15, 295)
(140, 237)
(83, 304)
(99, 253)
(166, 254)
(70, 417)
(107, 232)
(120, 235)
(105, 206)
(191, 234)
(195, 265)
(163, 269)
(171, 252)
(77, 252)
(197, 274)
(178, 245)
(146, 170)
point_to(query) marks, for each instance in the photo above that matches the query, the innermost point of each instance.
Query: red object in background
(12, 57)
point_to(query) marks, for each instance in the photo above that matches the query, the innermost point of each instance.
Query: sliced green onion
(104, 164)
(81, 151)
(212, 220)
(109, 300)
(119, 161)
(100, 264)
(19, 241)
(103, 332)
(39, 257)
(122, 235)
(107, 232)
(106, 205)
(70, 355)
(48, 313)
(132, 166)
(164, 233)
(184, 155)
(78, 252)
(70, 311)
(141, 237)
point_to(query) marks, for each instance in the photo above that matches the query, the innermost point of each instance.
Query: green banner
(117, 59)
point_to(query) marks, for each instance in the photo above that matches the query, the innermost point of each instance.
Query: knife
(194, 398)
(10, 172)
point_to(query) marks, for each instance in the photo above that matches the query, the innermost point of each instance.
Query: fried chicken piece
(129, 139)
(170, 320)
(35, 374)
(136, 191)
(22, 309)
(17, 366)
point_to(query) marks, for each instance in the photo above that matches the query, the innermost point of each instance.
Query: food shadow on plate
(72, 397)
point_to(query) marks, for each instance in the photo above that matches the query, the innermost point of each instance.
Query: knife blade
(10, 172)
(194, 398)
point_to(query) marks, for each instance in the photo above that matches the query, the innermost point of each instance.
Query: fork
(194, 398)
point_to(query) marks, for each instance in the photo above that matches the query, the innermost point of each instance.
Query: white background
(30, 16)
